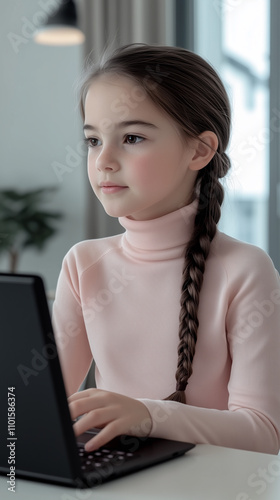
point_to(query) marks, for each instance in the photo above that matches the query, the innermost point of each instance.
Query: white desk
(205, 473)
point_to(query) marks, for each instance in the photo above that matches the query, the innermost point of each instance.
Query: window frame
(274, 149)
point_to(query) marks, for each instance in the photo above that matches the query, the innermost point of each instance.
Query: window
(234, 36)
(245, 71)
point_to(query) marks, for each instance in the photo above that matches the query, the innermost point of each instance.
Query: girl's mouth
(112, 189)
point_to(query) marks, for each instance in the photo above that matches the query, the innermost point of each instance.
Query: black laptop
(37, 438)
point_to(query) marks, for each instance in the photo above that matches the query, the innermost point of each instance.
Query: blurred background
(41, 138)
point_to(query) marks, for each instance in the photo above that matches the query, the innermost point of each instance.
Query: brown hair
(187, 88)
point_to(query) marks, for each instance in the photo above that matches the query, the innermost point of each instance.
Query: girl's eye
(92, 142)
(133, 139)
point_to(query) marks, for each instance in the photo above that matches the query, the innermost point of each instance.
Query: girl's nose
(107, 160)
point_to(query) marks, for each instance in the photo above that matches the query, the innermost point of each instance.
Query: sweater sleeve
(70, 332)
(252, 419)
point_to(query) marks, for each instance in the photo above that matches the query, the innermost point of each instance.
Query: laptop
(37, 436)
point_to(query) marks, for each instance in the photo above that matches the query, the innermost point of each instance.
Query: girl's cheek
(146, 171)
(91, 175)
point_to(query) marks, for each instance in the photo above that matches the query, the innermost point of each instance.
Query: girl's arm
(74, 351)
(252, 419)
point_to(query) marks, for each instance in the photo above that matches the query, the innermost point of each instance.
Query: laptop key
(101, 457)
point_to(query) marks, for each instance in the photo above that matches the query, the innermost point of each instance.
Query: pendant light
(61, 27)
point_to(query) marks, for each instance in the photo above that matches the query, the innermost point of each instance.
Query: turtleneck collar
(159, 239)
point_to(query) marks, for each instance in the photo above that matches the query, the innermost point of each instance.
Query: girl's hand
(113, 413)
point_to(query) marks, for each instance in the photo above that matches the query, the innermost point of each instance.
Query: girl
(157, 124)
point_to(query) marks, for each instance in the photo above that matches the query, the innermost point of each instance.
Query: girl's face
(138, 163)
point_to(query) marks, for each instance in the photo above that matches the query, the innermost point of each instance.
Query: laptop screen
(37, 437)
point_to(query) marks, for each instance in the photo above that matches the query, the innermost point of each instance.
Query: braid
(205, 226)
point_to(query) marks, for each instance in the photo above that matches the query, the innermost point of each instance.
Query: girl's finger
(83, 394)
(85, 403)
(96, 418)
(112, 430)
(80, 407)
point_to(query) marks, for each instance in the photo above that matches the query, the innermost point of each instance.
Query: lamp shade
(60, 27)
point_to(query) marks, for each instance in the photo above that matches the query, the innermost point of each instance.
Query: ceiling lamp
(61, 27)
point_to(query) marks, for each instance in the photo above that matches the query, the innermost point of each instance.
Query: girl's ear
(206, 147)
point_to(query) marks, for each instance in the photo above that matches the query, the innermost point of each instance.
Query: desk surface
(204, 473)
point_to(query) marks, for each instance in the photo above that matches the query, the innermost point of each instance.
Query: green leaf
(24, 220)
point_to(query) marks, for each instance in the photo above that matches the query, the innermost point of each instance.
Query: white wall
(41, 127)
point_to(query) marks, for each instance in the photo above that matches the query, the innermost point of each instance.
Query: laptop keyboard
(101, 457)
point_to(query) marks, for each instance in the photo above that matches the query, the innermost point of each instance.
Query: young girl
(181, 320)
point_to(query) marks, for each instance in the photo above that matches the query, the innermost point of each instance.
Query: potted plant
(24, 222)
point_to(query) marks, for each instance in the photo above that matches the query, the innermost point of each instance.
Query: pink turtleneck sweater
(117, 302)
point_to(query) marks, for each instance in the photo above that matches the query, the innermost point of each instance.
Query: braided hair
(190, 91)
